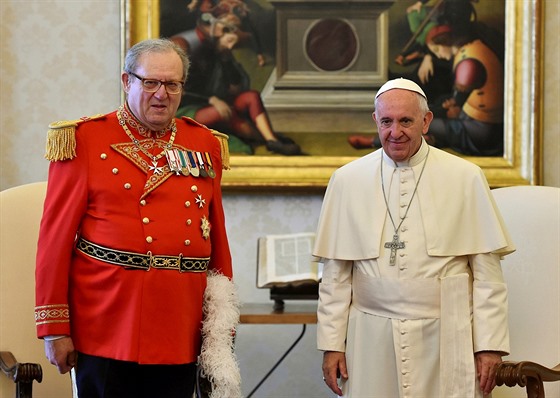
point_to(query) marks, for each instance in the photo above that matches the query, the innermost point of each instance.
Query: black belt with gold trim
(142, 261)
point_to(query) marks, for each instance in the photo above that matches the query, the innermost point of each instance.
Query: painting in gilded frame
(520, 163)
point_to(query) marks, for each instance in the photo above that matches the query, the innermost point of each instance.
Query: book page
(286, 258)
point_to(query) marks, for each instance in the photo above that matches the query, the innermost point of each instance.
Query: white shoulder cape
(458, 210)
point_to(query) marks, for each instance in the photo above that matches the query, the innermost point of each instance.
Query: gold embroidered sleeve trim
(54, 313)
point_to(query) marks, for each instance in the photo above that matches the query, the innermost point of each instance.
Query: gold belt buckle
(165, 262)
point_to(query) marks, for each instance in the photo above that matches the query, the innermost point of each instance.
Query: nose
(161, 92)
(396, 131)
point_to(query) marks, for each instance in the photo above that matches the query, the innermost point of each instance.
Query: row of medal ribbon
(192, 163)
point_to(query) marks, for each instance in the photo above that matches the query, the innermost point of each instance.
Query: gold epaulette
(223, 139)
(61, 138)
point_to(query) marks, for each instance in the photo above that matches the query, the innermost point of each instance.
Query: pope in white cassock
(412, 302)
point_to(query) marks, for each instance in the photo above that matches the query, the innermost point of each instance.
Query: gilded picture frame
(521, 163)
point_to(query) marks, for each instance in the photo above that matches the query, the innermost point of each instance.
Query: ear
(428, 117)
(125, 80)
(373, 116)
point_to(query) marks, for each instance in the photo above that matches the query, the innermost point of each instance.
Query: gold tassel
(61, 141)
(223, 139)
(61, 138)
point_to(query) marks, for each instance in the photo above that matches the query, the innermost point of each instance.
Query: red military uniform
(113, 195)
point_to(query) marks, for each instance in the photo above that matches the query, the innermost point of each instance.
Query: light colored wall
(61, 59)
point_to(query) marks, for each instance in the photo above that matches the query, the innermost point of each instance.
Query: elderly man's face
(157, 109)
(401, 123)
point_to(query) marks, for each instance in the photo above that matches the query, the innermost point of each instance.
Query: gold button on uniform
(103, 156)
(142, 202)
(189, 221)
(115, 171)
(187, 242)
(149, 239)
(187, 203)
(146, 220)
(127, 186)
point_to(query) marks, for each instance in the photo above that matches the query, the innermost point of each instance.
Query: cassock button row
(194, 188)
(103, 156)
(115, 171)
(146, 220)
(149, 239)
(127, 186)
(189, 221)
(187, 242)
(187, 203)
(142, 202)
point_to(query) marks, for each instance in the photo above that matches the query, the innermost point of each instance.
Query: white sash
(447, 299)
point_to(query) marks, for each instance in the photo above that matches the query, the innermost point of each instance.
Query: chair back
(20, 214)
(532, 273)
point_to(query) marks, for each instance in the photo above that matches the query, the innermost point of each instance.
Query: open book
(286, 259)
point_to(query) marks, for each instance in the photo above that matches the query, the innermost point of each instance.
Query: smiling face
(154, 110)
(401, 122)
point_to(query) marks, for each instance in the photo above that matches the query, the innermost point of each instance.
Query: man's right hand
(334, 366)
(61, 353)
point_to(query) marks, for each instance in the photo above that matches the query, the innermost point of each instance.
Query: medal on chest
(188, 162)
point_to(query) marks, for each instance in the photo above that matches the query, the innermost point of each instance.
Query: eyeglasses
(152, 85)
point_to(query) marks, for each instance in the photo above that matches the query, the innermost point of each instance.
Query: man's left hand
(486, 363)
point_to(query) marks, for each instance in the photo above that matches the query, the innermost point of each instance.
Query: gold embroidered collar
(137, 125)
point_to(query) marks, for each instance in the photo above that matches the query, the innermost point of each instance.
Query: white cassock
(411, 329)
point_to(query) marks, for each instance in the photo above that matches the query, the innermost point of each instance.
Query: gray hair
(154, 46)
(422, 103)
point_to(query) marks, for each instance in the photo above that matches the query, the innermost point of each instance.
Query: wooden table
(292, 313)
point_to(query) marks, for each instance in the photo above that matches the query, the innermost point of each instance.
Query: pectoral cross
(394, 246)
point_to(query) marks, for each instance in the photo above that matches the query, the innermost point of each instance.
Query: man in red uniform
(132, 222)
